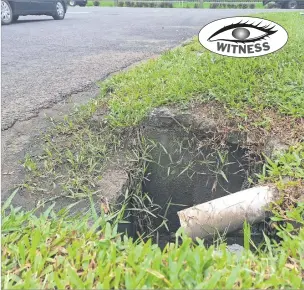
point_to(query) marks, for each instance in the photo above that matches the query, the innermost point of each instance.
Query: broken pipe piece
(228, 213)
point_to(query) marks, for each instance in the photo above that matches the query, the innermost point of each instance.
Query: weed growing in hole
(247, 235)
(139, 204)
(206, 157)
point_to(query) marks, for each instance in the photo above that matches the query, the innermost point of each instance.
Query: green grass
(291, 164)
(259, 6)
(102, 3)
(57, 250)
(274, 81)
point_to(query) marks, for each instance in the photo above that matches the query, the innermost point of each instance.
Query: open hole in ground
(186, 168)
(191, 160)
(183, 174)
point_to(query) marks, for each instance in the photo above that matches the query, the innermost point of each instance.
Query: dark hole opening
(183, 174)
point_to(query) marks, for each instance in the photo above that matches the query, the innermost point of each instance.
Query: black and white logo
(243, 36)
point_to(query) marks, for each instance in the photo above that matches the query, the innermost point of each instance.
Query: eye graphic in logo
(243, 32)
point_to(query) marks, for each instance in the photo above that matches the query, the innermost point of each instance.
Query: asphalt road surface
(44, 60)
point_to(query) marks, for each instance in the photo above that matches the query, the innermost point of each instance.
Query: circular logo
(243, 36)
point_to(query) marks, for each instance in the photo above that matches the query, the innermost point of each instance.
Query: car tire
(59, 11)
(72, 3)
(292, 4)
(6, 13)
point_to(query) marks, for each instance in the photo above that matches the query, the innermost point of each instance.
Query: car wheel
(72, 3)
(60, 11)
(292, 4)
(6, 13)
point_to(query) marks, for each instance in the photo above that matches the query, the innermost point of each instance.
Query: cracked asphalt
(44, 61)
